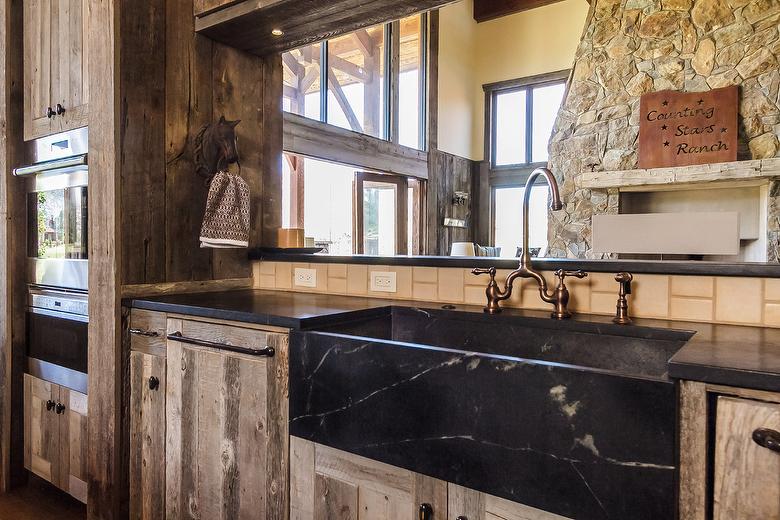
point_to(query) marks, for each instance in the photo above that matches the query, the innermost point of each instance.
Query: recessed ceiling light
(277, 32)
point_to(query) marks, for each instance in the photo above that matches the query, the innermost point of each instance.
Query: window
(509, 220)
(359, 94)
(349, 211)
(522, 115)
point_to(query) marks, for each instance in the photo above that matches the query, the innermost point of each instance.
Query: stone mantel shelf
(682, 176)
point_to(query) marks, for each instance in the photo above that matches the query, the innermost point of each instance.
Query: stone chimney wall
(632, 47)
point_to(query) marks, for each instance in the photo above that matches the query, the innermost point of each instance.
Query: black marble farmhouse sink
(576, 418)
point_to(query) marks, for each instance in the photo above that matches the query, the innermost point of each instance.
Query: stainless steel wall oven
(57, 210)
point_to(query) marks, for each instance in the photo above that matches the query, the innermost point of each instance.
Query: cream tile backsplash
(741, 301)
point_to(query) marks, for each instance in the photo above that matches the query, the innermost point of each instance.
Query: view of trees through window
(360, 94)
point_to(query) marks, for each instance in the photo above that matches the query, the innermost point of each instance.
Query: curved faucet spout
(555, 205)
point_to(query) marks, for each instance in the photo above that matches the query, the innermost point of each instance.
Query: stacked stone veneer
(632, 47)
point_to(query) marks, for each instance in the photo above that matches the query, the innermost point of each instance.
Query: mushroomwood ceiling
(248, 25)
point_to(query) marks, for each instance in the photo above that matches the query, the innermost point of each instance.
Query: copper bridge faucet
(560, 296)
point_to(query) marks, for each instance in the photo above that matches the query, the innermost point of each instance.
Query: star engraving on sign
(666, 143)
(723, 130)
(664, 127)
(701, 101)
(665, 103)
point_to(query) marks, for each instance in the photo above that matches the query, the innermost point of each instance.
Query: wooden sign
(685, 128)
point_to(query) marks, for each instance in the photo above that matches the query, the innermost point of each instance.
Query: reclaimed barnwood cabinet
(206, 6)
(747, 475)
(473, 505)
(226, 450)
(56, 94)
(147, 436)
(55, 435)
(717, 445)
(326, 483)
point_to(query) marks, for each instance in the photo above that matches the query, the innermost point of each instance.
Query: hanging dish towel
(226, 221)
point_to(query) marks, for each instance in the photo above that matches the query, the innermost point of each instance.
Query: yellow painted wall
(523, 44)
(457, 44)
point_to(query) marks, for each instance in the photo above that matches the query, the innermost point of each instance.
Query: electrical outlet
(382, 282)
(305, 277)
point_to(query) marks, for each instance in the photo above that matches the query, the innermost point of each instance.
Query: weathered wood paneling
(327, 483)
(41, 428)
(13, 251)
(485, 10)
(315, 139)
(226, 426)
(747, 476)
(447, 174)
(147, 437)
(248, 24)
(106, 467)
(693, 450)
(74, 444)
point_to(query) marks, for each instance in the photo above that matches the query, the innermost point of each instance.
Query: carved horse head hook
(216, 148)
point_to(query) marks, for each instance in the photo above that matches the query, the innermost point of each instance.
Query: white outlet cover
(383, 281)
(305, 277)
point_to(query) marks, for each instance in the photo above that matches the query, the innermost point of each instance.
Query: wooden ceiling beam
(485, 10)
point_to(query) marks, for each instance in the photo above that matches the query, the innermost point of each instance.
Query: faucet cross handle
(490, 270)
(561, 274)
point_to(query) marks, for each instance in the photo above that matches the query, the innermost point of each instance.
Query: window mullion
(388, 111)
(423, 82)
(324, 82)
(529, 125)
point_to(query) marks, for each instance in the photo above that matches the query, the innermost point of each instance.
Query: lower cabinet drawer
(747, 461)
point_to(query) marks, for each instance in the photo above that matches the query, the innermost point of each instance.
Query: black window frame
(390, 131)
(515, 173)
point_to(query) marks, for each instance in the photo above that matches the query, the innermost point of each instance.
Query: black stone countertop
(720, 354)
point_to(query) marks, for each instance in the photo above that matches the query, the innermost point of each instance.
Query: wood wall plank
(693, 450)
(13, 253)
(447, 174)
(142, 144)
(188, 106)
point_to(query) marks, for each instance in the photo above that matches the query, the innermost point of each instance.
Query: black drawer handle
(267, 351)
(60, 109)
(766, 438)
(60, 408)
(49, 405)
(145, 333)
(426, 512)
(50, 112)
(154, 383)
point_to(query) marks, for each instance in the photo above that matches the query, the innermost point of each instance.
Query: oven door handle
(67, 164)
(267, 351)
(57, 314)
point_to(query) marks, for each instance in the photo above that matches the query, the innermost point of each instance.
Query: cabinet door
(41, 427)
(747, 476)
(147, 436)
(481, 506)
(226, 438)
(69, 77)
(37, 67)
(72, 468)
(327, 483)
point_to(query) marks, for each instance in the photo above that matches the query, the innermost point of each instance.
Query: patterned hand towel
(226, 221)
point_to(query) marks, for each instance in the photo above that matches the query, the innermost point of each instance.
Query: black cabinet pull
(49, 405)
(60, 109)
(154, 383)
(426, 512)
(145, 333)
(766, 438)
(50, 112)
(59, 408)
(267, 351)
(461, 517)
